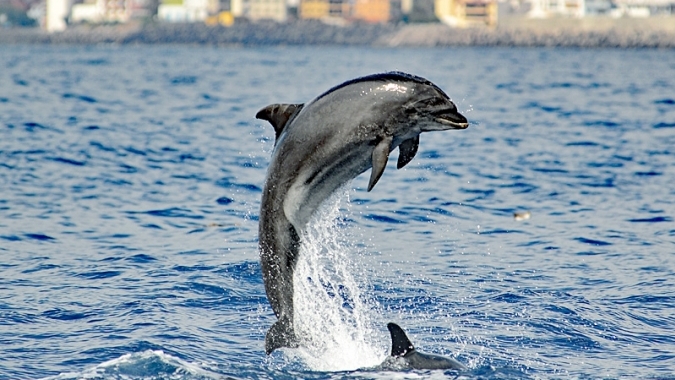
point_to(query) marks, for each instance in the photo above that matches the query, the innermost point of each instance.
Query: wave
(149, 364)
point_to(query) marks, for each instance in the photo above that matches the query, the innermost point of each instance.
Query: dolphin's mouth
(450, 117)
(456, 121)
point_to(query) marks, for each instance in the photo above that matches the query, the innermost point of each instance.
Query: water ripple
(131, 181)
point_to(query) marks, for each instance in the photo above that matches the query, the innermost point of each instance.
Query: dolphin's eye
(433, 102)
(427, 103)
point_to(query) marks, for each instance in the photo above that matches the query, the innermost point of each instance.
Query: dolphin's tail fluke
(280, 335)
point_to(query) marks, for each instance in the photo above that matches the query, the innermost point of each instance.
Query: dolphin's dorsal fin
(407, 151)
(380, 157)
(400, 344)
(278, 115)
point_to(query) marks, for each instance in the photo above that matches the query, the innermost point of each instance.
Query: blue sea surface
(130, 185)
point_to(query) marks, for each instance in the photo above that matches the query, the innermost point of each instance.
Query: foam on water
(332, 314)
(149, 364)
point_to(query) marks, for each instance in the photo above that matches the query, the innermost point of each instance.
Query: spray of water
(332, 314)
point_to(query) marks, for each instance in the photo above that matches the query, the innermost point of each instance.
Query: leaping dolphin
(322, 145)
(403, 350)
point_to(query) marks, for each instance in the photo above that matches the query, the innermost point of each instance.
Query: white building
(267, 10)
(186, 10)
(641, 8)
(97, 11)
(199, 10)
(237, 8)
(57, 12)
(89, 12)
(548, 8)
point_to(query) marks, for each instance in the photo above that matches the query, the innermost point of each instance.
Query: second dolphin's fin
(380, 157)
(403, 350)
(278, 115)
(400, 344)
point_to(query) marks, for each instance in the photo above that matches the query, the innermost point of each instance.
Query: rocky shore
(604, 33)
(569, 33)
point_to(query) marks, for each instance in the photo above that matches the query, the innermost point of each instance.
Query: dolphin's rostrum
(322, 145)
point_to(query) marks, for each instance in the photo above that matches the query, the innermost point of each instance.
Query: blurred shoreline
(653, 32)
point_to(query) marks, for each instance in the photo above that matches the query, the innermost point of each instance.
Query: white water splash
(332, 315)
(149, 364)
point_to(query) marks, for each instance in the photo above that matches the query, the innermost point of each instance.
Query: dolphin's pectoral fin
(380, 157)
(407, 151)
(280, 335)
(400, 344)
(278, 115)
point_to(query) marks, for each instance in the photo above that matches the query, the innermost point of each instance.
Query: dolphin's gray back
(403, 349)
(418, 360)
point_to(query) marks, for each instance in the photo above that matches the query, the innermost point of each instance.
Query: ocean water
(130, 183)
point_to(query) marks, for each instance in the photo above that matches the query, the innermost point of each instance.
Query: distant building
(87, 12)
(107, 11)
(419, 11)
(641, 8)
(313, 9)
(324, 9)
(463, 13)
(613, 8)
(406, 6)
(548, 8)
(186, 10)
(267, 10)
(236, 7)
(38, 12)
(597, 7)
(57, 13)
(219, 11)
(375, 11)
(224, 18)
